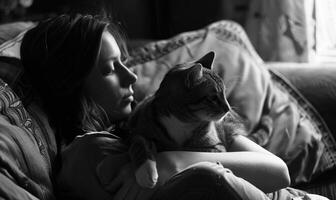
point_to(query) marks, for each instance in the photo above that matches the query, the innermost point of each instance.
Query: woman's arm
(249, 161)
(274, 166)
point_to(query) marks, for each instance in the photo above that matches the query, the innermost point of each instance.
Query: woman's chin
(121, 114)
(126, 111)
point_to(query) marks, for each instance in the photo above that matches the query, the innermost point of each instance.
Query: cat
(189, 112)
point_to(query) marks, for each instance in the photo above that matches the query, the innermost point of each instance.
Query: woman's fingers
(124, 186)
(115, 184)
(129, 190)
(147, 175)
(120, 179)
(110, 171)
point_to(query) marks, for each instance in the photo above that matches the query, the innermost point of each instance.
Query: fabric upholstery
(320, 90)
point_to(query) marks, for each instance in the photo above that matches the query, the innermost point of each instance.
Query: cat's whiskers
(234, 109)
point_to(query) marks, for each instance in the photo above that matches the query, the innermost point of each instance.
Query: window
(325, 30)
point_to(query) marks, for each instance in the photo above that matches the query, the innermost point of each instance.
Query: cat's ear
(195, 75)
(197, 71)
(207, 60)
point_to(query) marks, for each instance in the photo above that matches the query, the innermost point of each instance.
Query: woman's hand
(122, 185)
(273, 166)
(147, 175)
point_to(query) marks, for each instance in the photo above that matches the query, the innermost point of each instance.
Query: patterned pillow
(28, 147)
(299, 135)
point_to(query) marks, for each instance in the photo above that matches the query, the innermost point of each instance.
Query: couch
(27, 144)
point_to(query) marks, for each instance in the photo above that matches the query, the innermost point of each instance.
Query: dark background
(159, 19)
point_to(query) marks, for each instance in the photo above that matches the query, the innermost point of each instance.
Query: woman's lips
(128, 98)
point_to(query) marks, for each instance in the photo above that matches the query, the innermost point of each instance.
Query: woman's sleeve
(207, 180)
(78, 178)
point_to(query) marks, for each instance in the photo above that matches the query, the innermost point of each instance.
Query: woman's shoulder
(92, 157)
(95, 141)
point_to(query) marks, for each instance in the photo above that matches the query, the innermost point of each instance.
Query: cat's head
(193, 92)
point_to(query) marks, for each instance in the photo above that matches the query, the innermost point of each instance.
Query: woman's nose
(127, 76)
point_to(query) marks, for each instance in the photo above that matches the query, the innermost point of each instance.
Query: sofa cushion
(310, 78)
(299, 135)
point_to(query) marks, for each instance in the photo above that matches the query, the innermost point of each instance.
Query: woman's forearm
(266, 172)
(245, 159)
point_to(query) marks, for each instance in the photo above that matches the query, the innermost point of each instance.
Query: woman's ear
(207, 60)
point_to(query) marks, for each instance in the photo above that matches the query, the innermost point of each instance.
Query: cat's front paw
(265, 129)
(147, 175)
(266, 122)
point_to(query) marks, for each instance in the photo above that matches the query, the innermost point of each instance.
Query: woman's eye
(107, 70)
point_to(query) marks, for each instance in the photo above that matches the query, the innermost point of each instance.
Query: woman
(76, 66)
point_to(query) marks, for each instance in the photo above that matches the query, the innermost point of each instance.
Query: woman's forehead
(109, 47)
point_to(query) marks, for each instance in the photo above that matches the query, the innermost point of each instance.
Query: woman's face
(110, 82)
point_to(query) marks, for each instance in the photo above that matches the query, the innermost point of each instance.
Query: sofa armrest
(317, 83)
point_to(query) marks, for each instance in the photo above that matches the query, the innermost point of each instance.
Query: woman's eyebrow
(112, 57)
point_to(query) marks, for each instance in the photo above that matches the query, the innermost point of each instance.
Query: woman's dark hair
(57, 56)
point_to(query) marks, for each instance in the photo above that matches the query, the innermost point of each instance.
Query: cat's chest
(206, 140)
(179, 134)
(205, 137)
(178, 131)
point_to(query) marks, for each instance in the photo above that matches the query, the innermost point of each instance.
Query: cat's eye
(213, 98)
